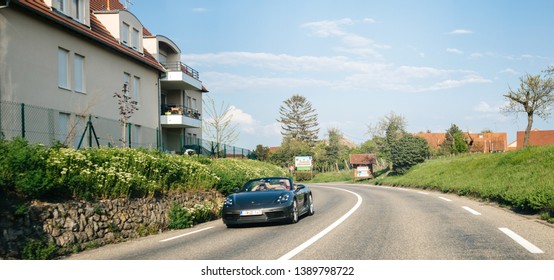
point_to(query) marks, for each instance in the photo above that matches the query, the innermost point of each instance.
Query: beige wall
(29, 71)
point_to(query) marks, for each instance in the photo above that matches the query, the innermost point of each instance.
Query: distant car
(269, 199)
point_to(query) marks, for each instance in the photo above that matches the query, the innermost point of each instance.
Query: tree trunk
(528, 130)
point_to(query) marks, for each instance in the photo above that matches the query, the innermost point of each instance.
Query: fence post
(23, 120)
(89, 124)
(157, 138)
(129, 132)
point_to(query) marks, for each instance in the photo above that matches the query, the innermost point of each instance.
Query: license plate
(250, 212)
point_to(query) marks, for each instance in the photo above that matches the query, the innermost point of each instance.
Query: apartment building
(63, 60)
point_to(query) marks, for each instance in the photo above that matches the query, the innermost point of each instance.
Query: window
(79, 73)
(77, 10)
(135, 39)
(63, 68)
(136, 136)
(125, 33)
(63, 123)
(194, 104)
(60, 5)
(136, 89)
(126, 81)
(189, 102)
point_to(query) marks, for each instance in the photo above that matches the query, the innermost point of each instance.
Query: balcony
(181, 76)
(180, 116)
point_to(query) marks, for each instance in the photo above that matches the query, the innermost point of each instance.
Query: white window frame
(127, 80)
(63, 68)
(136, 89)
(79, 83)
(61, 5)
(78, 10)
(135, 34)
(125, 28)
(63, 127)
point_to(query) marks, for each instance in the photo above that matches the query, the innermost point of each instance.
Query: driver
(261, 186)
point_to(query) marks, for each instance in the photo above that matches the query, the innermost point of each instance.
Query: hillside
(522, 180)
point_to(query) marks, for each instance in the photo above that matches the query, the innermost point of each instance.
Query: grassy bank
(522, 180)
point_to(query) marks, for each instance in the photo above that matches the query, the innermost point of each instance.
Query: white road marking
(521, 241)
(423, 193)
(316, 237)
(445, 199)
(183, 235)
(471, 211)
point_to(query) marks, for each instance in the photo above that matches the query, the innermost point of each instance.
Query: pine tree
(298, 120)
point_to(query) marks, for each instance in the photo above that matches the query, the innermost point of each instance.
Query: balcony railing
(179, 66)
(169, 109)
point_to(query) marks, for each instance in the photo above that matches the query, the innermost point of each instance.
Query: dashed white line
(316, 237)
(420, 192)
(471, 211)
(183, 235)
(445, 199)
(521, 241)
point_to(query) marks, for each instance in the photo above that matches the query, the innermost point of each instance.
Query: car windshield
(267, 184)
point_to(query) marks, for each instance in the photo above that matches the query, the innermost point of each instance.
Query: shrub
(39, 250)
(407, 152)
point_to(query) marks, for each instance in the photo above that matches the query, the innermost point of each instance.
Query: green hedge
(35, 171)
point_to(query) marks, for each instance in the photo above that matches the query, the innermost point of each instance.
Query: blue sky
(434, 62)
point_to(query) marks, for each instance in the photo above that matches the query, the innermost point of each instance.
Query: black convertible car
(270, 199)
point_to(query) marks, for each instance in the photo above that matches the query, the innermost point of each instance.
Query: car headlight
(283, 198)
(228, 201)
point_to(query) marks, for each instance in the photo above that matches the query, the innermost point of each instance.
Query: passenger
(284, 185)
(261, 187)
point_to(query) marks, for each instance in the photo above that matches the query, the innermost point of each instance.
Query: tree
(299, 120)
(454, 141)
(127, 106)
(261, 152)
(389, 129)
(290, 148)
(407, 152)
(219, 124)
(533, 97)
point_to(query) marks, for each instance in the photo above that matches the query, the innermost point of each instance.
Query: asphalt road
(358, 222)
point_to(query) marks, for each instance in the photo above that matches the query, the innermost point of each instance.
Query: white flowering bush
(113, 172)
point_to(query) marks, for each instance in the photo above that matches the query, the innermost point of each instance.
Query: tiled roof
(96, 32)
(106, 5)
(363, 159)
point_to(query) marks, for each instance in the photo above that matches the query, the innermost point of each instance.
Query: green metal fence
(47, 126)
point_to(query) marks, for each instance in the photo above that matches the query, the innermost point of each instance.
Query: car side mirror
(236, 190)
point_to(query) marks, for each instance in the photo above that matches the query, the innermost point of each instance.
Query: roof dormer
(124, 26)
(78, 10)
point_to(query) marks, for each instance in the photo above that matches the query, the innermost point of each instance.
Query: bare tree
(533, 97)
(219, 124)
(127, 106)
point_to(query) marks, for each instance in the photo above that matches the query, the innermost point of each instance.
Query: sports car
(269, 199)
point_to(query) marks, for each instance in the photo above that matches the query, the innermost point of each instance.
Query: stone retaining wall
(91, 223)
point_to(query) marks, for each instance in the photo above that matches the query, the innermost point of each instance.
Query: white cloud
(454, 50)
(509, 71)
(199, 10)
(484, 107)
(460, 32)
(269, 72)
(351, 43)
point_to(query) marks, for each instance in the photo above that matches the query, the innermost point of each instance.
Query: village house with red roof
(62, 61)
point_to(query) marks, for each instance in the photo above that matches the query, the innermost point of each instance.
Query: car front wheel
(294, 213)
(311, 210)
